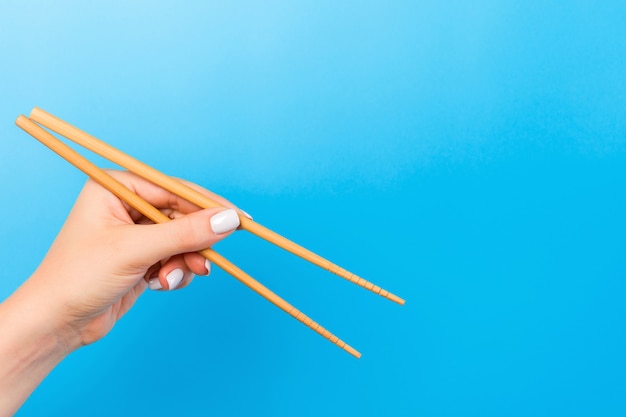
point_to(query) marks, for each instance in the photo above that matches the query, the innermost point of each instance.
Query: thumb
(192, 232)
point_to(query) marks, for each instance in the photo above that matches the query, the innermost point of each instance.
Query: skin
(95, 270)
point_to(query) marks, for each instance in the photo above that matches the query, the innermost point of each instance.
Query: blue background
(468, 156)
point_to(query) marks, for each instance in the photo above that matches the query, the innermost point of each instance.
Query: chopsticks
(172, 185)
(156, 216)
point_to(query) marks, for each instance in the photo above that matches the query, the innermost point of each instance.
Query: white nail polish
(225, 221)
(154, 284)
(245, 213)
(174, 278)
(207, 265)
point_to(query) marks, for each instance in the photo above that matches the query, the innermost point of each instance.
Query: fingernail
(154, 284)
(174, 278)
(207, 265)
(225, 221)
(245, 213)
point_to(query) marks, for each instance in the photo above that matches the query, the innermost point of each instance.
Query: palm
(98, 327)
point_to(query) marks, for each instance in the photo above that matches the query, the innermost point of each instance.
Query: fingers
(216, 197)
(171, 275)
(178, 272)
(191, 233)
(163, 199)
(197, 263)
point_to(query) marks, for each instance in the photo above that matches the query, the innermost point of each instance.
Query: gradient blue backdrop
(467, 155)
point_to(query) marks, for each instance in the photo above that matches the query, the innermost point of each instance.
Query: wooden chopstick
(141, 205)
(176, 187)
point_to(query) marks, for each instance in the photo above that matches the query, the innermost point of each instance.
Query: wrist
(31, 346)
(43, 308)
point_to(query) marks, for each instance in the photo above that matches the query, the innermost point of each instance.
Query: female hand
(102, 260)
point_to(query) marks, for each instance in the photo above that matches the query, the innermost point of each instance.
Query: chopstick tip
(352, 351)
(395, 299)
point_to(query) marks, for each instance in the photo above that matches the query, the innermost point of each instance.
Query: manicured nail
(225, 221)
(207, 265)
(245, 213)
(174, 278)
(154, 284)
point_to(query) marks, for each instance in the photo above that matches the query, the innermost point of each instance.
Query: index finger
(164, 199)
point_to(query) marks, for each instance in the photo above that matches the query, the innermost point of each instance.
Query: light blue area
(468, 156)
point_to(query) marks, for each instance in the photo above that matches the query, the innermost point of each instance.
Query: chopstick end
(21, 120)
(35, 111)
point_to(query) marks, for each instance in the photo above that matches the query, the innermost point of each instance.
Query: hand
(101, 260)
(100, 263)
